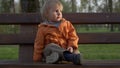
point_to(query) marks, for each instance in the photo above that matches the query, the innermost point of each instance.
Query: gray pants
(52, 47)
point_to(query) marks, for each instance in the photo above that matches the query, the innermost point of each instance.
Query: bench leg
(25, 53)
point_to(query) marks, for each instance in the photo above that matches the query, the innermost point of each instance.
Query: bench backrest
(28, 27)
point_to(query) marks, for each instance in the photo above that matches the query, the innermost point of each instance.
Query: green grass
(84, 30)
(8, 52)
(97, 29)
(89, 51)
(100, 51)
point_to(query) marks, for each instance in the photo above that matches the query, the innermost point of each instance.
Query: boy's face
(55, 14)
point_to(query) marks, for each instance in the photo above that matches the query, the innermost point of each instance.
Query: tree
(74, 5)
(41, 2)
(110, 10)
(67, 6)
(6, 6)
(29, 6)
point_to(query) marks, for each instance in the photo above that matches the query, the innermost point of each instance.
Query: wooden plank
(93, 18)
(7, 39)
(86, 64)
(20, 18)
(28, 29)
(76, 18)
(26, 53)
(85, 38)
(55, 66)
(101, 62)
(99, 38)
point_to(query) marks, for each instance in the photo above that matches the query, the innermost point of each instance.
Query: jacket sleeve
(38, 45)
(72, 36)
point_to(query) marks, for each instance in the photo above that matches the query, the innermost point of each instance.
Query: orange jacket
(63, 35)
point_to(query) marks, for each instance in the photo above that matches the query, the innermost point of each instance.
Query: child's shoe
(75, 58)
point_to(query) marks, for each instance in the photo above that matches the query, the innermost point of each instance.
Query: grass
(94, 29)
(9, 52)
(89, 51)
(100, 51)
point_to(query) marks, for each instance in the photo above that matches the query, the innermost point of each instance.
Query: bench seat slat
(86, 64)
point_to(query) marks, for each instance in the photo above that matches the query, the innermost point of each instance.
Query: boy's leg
(52, 53)
(74, 57)
(52, 58)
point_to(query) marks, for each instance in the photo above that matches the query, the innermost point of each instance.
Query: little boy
(56, 39)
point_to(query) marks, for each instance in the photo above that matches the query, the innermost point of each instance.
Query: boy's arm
(38, 45)
(72, 36)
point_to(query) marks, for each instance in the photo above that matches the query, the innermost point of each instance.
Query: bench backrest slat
(75, 18)
(28, 38)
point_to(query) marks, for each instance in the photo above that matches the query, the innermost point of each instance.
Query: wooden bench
(28, 27)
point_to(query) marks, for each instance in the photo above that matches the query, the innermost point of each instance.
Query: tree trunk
(110, 10)
(12, 10)
(6, 6)
(29, 6)
(74, 8)
(119, 11)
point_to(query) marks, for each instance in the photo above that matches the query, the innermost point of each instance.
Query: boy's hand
(70, 49)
